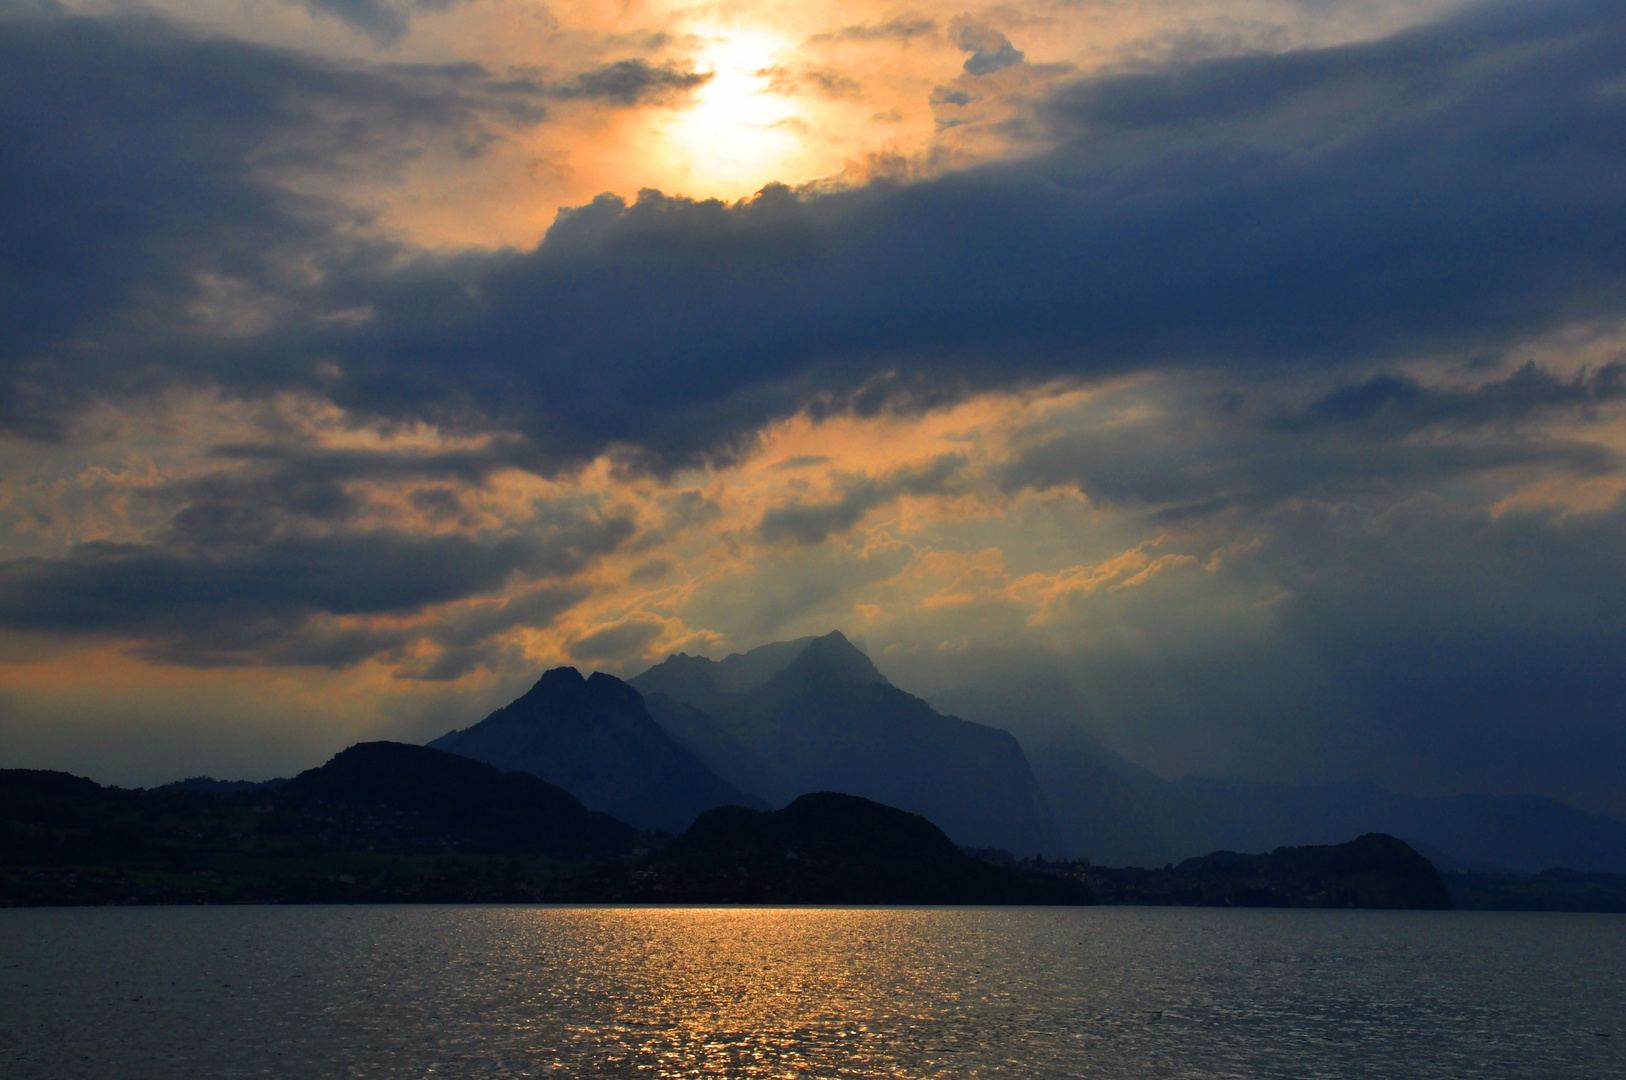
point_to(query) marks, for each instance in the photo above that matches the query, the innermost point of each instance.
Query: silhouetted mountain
(1446, 863)
(697, 679)
(1109, 810)
(51, 817)
(594, 738)
(705, 737)
(1522, 832)
(828, 848)
(816, 715)
(479, 803)
(1104, 807)
(379, 822)
(1371, 871)
(388, 822)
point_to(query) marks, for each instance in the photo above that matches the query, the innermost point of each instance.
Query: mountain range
(816, 715)
(760, 728)
(394, 823)
(1371, 871)
(594, 738)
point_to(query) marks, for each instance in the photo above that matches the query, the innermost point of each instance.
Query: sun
(737, 134)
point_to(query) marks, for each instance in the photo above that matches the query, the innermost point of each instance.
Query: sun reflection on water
(753, 992)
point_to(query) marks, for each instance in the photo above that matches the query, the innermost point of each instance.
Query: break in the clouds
(1256, 402)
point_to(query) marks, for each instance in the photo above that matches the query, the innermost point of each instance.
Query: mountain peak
(697, 680)
(559, 678)
(594, 738)
(565, 687)
(834, 658)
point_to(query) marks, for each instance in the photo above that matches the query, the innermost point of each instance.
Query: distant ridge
(1372, 871)
(815, 714)
(1522, 832)
(594, 738)
(502, 811)
(1115, 812)
(379, 822)
(685, 677)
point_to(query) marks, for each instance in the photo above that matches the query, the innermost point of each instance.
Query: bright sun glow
(738, 134)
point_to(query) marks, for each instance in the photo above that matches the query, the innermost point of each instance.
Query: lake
(126, 993)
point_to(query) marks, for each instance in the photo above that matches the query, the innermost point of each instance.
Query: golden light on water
(755, 992)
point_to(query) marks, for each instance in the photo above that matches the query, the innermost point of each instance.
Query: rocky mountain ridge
(817, 715)
(595, 738)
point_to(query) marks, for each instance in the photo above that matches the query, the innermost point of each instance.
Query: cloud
(235, 579)
(385, 21)
(1393, 403)
(1458, 214)
(630, 82)
(902, 28)
(826, 82)
(1201, 452)
(653, 570)
(1446, 190)
(109, 586)
(990, 50)
(266, 483)
(148, 202)
(811, 523)
(469, 637)
(628, 639)
(1268, 314)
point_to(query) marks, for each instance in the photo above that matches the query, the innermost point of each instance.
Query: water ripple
(611, 992)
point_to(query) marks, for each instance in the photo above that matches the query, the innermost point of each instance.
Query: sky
(1241, 380)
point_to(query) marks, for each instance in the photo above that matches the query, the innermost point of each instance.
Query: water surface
(1093, 992)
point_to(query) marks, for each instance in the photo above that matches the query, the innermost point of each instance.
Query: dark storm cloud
(137, 161)
(114, 586)
(812, 523)
(235, 581)
(1393, 404)
(276, 484)
(1385, 433)
(1445, 190)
